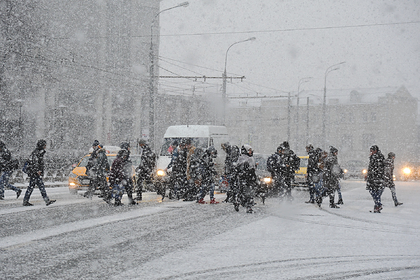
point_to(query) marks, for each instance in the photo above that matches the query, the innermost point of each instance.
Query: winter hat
(125, 145)
(142, 142)
(333, 150)
(391, 155)
(286, 145)
(95, 143)
(374, 148)
(40, 144)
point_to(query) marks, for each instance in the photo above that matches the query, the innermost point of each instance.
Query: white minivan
(202, 136)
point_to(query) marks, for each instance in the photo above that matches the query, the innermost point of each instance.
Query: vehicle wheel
(73, 191)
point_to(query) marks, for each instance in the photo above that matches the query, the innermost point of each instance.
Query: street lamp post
(152, 76)
(301, 81)
(225, 77)
(324, 104)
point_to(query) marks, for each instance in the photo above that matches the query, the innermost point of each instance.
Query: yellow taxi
(301, 174)
(78, 179)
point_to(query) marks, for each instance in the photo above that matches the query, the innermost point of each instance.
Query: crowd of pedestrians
(193, 174)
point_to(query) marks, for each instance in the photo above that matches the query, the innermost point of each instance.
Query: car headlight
(364, 171)
(267, 180)
(407, 171)
(345, 170)
(160, 173)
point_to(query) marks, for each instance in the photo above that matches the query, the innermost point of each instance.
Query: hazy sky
(378, 40)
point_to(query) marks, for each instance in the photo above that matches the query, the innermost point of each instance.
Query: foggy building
(355, 121)
(81, 73)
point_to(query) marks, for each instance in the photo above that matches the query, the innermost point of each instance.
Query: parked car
(355, 169)
(78, 180)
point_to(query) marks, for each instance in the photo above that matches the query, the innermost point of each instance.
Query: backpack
(27, 167)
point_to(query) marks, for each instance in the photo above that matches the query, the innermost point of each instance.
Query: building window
(373, 115)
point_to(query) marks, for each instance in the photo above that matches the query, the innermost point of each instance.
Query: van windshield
(201, 142)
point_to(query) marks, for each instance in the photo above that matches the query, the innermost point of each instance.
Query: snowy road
(77, 238)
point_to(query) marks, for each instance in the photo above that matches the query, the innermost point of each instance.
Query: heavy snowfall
(78, 238)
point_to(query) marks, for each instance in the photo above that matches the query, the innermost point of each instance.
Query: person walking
(208, 172)
(97, 169)
(375, 177)
(120, 178)
(7, 166)
(232, 155)
(389, 177)
(145, 168)
(312, 171)
(291, 163)
(332, 175)
(275, 166)
(247, 179)
(35, 170)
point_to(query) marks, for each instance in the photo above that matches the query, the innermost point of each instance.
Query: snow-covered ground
(301, 241)
(184, 240)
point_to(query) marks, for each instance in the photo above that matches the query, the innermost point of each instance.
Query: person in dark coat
(195, 172)
(318, 176)
(178, 175)
(208, 172)
(291, 163)
(332, 175)
(312, 171)
(120, 177)
(36, 172)
(389, 177)
(247, 179)
(97, 169)
(7, 166)
(232, 155)
(276, 166)
(375, 177)
(145, 168)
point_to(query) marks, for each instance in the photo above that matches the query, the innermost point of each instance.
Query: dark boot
(50, 201)
(340, 201)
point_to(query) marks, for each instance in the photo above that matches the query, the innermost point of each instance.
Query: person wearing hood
(232, 155)
(35, 170)
(332, 175)
(375, 177)
(291, 163)
(7, 166)
(145, 168)
(208, 172)
(389, 177)
(120, 177)
(275, 166)
(97, 169)
(247, 179)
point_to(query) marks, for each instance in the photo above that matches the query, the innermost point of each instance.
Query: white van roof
(180, 131)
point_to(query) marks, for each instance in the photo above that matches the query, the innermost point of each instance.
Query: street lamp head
(184, 4)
